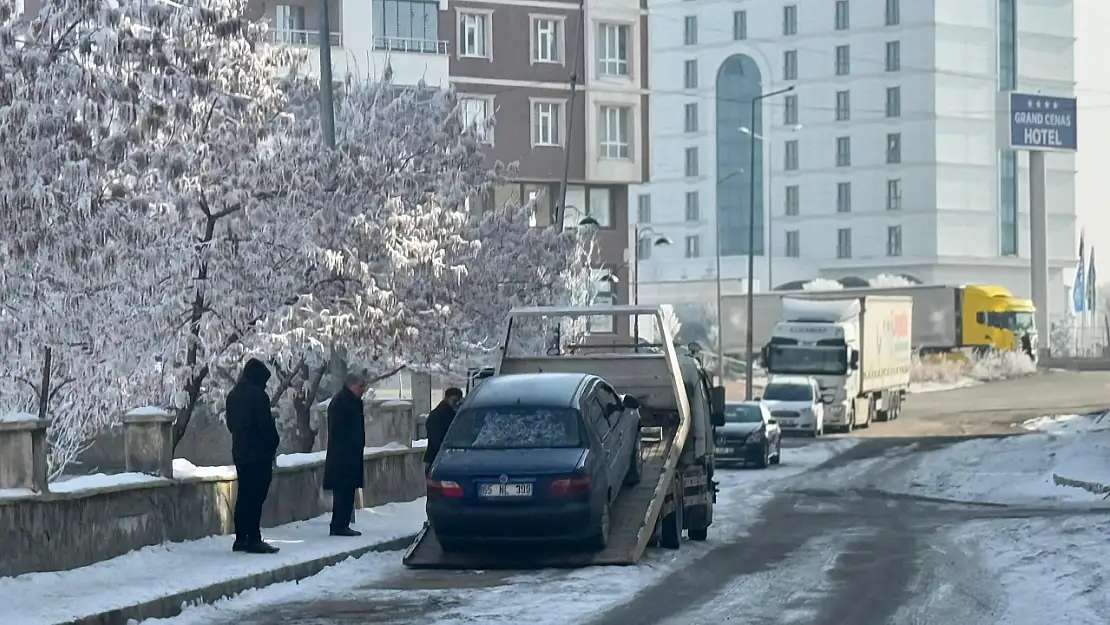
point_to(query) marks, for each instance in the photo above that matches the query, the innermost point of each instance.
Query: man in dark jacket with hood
(439, 419)
(344, 463)
(254, 444)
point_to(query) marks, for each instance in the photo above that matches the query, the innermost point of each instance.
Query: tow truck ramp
(634, 516)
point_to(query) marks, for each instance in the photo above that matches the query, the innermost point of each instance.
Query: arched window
(738, 83)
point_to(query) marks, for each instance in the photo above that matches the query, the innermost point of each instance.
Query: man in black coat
(346, 441)
(439, 419)
(254, 444)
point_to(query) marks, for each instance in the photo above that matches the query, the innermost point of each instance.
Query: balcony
(404, 44)
(303, 38)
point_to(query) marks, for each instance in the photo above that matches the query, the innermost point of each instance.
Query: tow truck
(679, 408)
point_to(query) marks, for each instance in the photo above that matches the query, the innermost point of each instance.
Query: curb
(172, 605)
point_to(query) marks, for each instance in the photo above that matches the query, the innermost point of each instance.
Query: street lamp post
(639, 235)
(770, 209)
(749, 365)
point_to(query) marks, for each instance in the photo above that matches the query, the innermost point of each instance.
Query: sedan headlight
(756, 436)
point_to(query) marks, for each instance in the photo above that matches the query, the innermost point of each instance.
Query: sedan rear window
(515, 427)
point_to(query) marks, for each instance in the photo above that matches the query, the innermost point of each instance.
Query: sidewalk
(159, 581)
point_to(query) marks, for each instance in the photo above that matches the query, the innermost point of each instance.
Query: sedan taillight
(445, 488)
(571, 487)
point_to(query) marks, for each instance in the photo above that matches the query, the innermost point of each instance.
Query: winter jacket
(254, 434)
(343, 466)
(439, 420)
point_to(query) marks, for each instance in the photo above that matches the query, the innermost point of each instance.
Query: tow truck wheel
(671, 535)
(699, 533)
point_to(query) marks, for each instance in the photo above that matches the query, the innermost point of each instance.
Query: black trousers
(342, 507)
(254, 487)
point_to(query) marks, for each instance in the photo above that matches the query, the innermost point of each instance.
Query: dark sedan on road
(749, 435)
(534, 457)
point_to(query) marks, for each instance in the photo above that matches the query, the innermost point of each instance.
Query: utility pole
(579, 43)
(327, 94)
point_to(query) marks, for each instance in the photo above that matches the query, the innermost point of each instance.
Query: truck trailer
(857, 348)
(679, 407)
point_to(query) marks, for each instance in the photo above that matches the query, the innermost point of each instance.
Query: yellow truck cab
(993, 318)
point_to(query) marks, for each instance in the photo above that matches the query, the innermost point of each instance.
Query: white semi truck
(857, 348)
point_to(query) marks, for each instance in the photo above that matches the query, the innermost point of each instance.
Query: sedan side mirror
(630, 403)
(717, 406)
(772, 422)
(757, 398)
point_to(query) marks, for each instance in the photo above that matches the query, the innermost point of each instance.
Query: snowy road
(864, 530)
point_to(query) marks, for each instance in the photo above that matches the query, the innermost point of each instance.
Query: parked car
(750, 435)
(534, 457)
(795, 402)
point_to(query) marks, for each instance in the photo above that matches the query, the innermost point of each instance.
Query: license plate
(506, 490)
(725, 450)
(790, 423)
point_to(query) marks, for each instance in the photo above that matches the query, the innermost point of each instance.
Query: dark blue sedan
(534, 457)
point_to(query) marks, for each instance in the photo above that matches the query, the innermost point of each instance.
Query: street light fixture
(640, 235)
(585, 220)
(749, 366)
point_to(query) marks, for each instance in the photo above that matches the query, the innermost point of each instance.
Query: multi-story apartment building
(407, 35)
(514, 60)
(882, 159)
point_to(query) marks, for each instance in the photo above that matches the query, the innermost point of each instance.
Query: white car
(795, 402)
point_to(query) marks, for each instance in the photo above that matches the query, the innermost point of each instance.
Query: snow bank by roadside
(548, 597)
(1049, 570)
(936, 373)
(170, 568)
(1022, 469)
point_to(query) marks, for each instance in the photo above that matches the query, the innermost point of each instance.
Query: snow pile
(822, 284)
(967, 368)
(1066, 450)
(886, 280)
(13, 417)
(183, 469)
(97, 481)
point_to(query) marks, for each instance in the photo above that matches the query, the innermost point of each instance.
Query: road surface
(793, 546)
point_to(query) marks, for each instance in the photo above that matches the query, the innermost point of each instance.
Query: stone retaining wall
(60, 531)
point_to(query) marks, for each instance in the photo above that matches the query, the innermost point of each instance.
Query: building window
(893, 14)
(894, 194)
(739, 207)
(790, 65)
(843, 106)
(843, 151)
(693, 208)
(843, 19)
(613, 49)
(690, 117)
(844, 243)
(790, 110)
(894, 241)
(602, 296)
(739, 25)
(289, 27)
(691, 169)
(893, 56)
(615, 132)
(690, 30)
(792, 201)
(893, 101)
(474, 35)
(790, 19)
(599, 205)
(1008, 203)
(406, 25)
(477, 110)
(790, 156)
(1007, 45)
(693, 246)
(894, 148)
(843, 61)
(843, 197)
(547, 39)
(643, 249)
(547, 122)
(690, 74)
(793, 244)
(643, 209)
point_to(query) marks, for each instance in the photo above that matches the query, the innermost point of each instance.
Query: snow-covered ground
(543, 597)
(1022, 469)
(936, 374)
(171, 568)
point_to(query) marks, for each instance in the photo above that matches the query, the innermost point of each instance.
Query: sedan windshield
(514, 427)
(788, 392)
(743, 413)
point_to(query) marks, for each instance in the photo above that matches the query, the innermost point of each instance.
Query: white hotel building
(882, 160)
